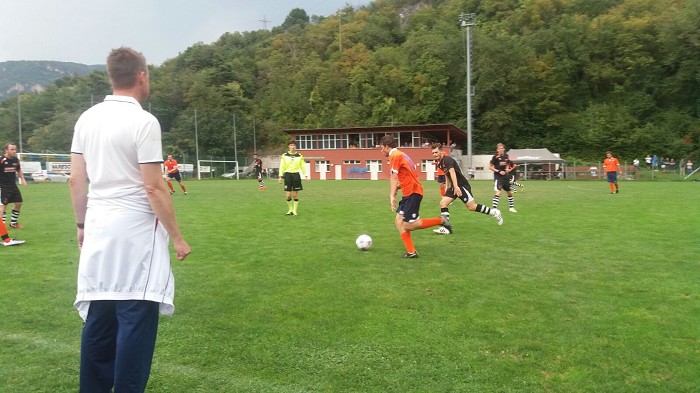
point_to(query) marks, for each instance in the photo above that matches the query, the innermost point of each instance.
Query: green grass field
(580, 291)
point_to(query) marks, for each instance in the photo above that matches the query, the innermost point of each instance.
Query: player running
(173, 172)
(405, 176)
(458, 187)
(501, 166)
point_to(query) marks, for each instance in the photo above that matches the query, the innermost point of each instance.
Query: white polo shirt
(125, 252)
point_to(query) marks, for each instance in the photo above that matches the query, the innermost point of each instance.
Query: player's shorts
(258, 174)
(10, 194)
(501, 184)
(409, 207)
(466, 194)
(612, 177)
(175, 176)
(292, 181)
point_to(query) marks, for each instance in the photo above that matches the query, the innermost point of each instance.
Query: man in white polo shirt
(125, 221)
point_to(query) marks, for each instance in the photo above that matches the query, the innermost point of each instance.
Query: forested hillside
(33, 76)
(576, 76)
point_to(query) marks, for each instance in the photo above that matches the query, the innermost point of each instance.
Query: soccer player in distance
(405, 176)
(501, 166)
(292, 168)
(173, 172)
(458, 187)
(258, 167)
(125, 221)
(9, 192)
(612, 167)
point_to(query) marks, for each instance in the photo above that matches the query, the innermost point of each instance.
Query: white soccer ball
(363, 242)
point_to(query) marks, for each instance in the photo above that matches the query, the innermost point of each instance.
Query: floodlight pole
(468, 21)
(19, 121)
(196, 145)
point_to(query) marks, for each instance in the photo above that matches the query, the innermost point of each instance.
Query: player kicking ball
(458, 187)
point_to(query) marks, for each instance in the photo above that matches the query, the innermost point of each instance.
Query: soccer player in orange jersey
(172, 172)
(405, 176)
(612, 167)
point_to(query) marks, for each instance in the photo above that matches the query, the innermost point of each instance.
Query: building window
(330, 141)
(370, 162)
(305, 142)
(323, 166)
(368, 141)
(351, 162)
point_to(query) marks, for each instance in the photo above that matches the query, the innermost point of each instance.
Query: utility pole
(264, 22)
(196, 144)
(468, 21)
(19, 121)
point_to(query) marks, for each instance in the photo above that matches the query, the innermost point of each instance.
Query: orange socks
(408, 242)
(170, 185)
(431, 222)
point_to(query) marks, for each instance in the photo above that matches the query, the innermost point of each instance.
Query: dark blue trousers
(118, 340)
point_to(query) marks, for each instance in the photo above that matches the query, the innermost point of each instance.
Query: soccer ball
(363, 242)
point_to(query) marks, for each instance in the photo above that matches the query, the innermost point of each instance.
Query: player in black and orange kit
(9, 192)
(441, 182)
(173, 172)
(258, 166)
(458, 187)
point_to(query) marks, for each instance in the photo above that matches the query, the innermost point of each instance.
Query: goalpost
(212, 168)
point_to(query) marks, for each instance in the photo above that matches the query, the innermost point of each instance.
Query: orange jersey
(171, 166)
(404, 168)
(611, 164)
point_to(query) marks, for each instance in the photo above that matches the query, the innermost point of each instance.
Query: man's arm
(78, 192)
(162, 206)
(393, 188)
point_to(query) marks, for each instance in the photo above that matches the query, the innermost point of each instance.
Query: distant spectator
(594, 171)
(647, 159)
(689, 166)
(655, 163)
(681, 166)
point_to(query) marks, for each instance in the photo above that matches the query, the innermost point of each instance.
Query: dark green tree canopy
(576, 76)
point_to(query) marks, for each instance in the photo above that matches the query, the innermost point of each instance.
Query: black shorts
(409, 207)
(10, 194)
(466, 194)
(292, 181)
(258, 173)
(503, 183)
(175, 176)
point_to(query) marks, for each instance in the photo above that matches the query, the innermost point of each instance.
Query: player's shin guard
(494, 203)
(15, 217)
(430, 222)
(408, 242)
(483, 209)
(295, 204)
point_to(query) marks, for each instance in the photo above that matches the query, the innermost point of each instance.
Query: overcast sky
(84, 31)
